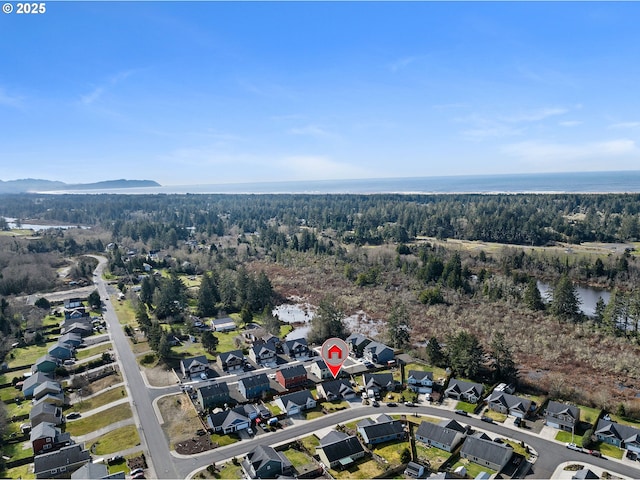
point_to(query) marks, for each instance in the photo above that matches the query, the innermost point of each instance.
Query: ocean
(577, 182)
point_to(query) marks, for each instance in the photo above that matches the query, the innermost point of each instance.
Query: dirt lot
(181, 421)
(159, 376)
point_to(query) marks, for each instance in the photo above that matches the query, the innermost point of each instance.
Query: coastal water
(577, 182)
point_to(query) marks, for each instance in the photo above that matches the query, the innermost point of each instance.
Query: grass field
(310, 443)
(25, 472)
(15, 409)
(180, 418)
(223, 440)
(91, 351)
(624, 421)
(99, 400)
(566, 437)
(588, 414)
(191, 349)
(391, 451)
(467, 407)
(9, 393)
(26, 355)
(495, 416)
(125, 312)
(8, 377)
(473, 469)
(17, 451)
(517, 448)
(100, 420)
(609, 450)
(434, 456)
(365, 468)
(116, 440)
(297, 458)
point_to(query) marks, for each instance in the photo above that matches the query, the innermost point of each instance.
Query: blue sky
(212, 92)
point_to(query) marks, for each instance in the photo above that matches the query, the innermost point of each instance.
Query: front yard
(180, 419)
(100, 420)
(116, 440)
(98, 401)
(467, 407)
(91, 351)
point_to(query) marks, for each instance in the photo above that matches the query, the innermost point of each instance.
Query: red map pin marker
(334, 353)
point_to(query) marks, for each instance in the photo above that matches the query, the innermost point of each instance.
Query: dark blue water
(578, 182)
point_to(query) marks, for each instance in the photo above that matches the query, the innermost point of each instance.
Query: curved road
(166, 464)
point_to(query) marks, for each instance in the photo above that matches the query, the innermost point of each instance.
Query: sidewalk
(101, 431)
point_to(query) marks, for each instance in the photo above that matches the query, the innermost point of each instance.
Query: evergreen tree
(398, 330)
(505, 367)
(154, 336)
(164, 349)
(565, 304)
(599, 311)
(171, 298)
(143, 318)
(434, 351)
(227, 290)
(147, 288)
(209, 341)
(94, 300)
(270, 321)
(208, 296)
(246, 315)
(532, 297)
(465, 354)
(328, 322)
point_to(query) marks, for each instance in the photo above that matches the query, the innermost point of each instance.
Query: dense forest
(397, 258)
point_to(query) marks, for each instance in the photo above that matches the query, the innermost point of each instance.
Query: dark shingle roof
(346, 447)
(255, 380)
(510, 401)
(214, 390)
(226, 356)
(293, 371)
(419, 375)
(485, 449)
(564, 409)
(438, 433)
(626, 433)
(461, 386)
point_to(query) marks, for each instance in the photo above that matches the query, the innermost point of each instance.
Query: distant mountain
(38, 185)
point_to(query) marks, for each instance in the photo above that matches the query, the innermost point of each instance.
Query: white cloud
(483, 127)
(625, 125)
(315, 167)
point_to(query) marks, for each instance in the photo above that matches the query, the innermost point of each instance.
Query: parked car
(138, 476)
(484, 418)
(595, 453)
(462, 412)
(517, 421)
(573, 446)
(409, 404)
(392, 404)
(136, 471)
(375, 403)
(250, 431)
(73, 415)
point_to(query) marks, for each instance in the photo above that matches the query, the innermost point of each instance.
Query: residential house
(377, 352)
(254, 386)
(75, 313)
(46, 437)
(45, 412)
(84, 329)
(29, 384)
(296, 402)
(296, 349)
(292, 377)
(223, 324)
(509, 404)
(72, 303)
(445, 435)
(263, 354)
(484, 452)
(232, 361)
(356, 343)
(61, 463)
(414, 470)
(264, 462)
(72, 339)
(562, 416)
(60, 351)
(337, 449)
(468, 391)
(420, 381)
(335, 390)
(95, 471)
(193, 365)
(213, 395)
(46, 364)
(49, 392)
(320, 370)
(584, 474)
(228, 421)
(382, 429)
(622, 436)
(377, 383)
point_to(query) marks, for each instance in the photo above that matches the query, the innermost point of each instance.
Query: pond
(588, 296)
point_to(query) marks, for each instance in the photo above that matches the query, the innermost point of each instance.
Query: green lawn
(226, 341)
(230, 471)
(25, 472)
(310, 443)
(335, 406)
(364, 468)
(273, 408)
(51, 320)
(189, 349)
(391, 451)
(467, 407)
(15, 409)
(9, 393)
(297, 458)
(588, 414)
(26, 355)
(609, 450)
(625, 421)
(91, 351)
(125, 312)
(433, 455)
(566, 437)
(496, 416)
(223, 440)
(517, 448)
(17, 451)
(116, 440)
(8, 377)
(99, 400)
(314, 413)
(100, 420)
(473, 469)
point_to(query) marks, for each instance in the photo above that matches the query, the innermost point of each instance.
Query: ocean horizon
(568, 182)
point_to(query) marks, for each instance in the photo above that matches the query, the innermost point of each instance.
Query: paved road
(152, 438)
(166, 464)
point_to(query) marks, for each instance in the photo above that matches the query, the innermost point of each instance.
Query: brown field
(180, 418)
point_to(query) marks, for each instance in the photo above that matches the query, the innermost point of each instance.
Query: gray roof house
(29, 385)
(562, 416)
(486, 453)
(296, 402)
(61, 463)
(46, 364)
(215, 394)
(46, 437)
(193, 365)
(95, 471)
(49, 392)
(223, 324)
(231, 361)
(263, 354)
(623, 436)
(356, 343)
(445, 435)
(337, 449)
(335, 390)
(264, 462)
(72, 339)
(320, 370)
(468, 391)
(420, 381)
(45, 412)
(228, 421)
(375, 383)
(382, 429)
(377, 352)
(509, 404)
(296, 349)
(253, 386)
(61, 351)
